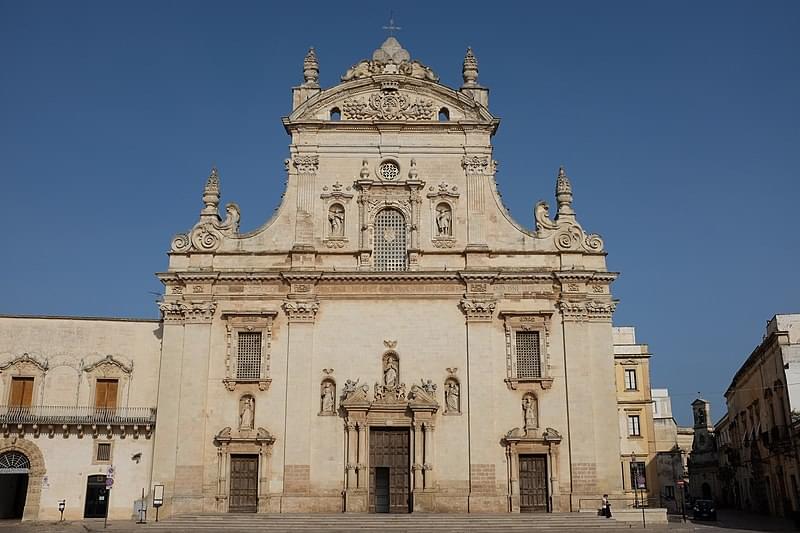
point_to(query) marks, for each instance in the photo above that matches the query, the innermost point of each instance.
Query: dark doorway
(244, 484)
(381, 489)
(96, 497)
(13, 490)
(533, 484)
(706, 488)
(14, 468)
(389, 472)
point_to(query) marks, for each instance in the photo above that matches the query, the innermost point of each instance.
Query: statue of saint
(451, 397)
(443, 221)
(246, 413)
(328, 402)
(529, 408)
(336, 220)
(390, 373)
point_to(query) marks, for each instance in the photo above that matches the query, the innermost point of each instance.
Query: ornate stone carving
(387, 394)
(37, 362)
(478, 164)
(391, 370)
(444, 220)
(470, 69)
(353, 391)
(452, 396)
(388, 105)
(301, 310)
(591, 309)
(125, 367)
(207, 234)
(565, 231)
(336, 220)
(306, 164)
(423, 393)
(311, 69)
(390, 58)
(476, 309)
(179, 310)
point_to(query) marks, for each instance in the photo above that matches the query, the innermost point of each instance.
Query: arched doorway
(706, 488)
(14, 470)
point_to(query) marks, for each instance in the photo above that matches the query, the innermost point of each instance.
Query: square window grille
(248, 355)
(529, 357)
(103, 451)
(390, 241)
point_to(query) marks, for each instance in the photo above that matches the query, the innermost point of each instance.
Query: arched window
(444, 114)
(390, 241)
(336, 114)
(14, 462)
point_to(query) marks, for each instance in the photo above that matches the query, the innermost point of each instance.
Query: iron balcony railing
(65, 414)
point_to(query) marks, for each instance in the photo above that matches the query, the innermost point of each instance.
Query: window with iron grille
(638, 477)
(390, 241)
(103, 451)
(630, 379)
(529, 357)
(248, 355)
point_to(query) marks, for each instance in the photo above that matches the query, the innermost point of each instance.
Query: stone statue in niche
(452, 397)
(529, 408)
(390, 372)
(246, 412)
(336, 220)
(327, 398)
(444, 221)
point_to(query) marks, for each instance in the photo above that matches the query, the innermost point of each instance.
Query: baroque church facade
(391, 340)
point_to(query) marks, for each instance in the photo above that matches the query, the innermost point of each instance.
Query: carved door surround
(245, 442)
(546, 443)
(522, 321)
(375, 195)
(417, 413)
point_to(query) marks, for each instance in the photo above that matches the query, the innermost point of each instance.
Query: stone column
(185, 385)
(306, 166)
(478, 169)
(301, 396)
(513, 457)
(263, 480)
(352, 459)
(362, 455)
(428, 427)
(418, 459)
(479, 312)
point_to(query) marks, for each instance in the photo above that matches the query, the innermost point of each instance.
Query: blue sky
(678, 122)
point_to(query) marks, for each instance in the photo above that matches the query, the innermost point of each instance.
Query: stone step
(301, 523)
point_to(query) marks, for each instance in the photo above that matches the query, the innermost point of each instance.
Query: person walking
(606, 506)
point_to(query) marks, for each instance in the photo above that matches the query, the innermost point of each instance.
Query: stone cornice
(565, 276)
(580, 311)
(182, 311)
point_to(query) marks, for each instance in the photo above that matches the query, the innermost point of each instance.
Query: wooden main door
(389, 470)
(244, 484)
(533, 483)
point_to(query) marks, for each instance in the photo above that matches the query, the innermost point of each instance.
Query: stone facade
(755, 466)
(391, 296)
(672, 446)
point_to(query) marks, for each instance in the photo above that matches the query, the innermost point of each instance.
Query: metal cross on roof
(391, 28)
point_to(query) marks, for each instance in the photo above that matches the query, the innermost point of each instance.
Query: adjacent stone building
(758, 437)
(391, 340)
(672, 446)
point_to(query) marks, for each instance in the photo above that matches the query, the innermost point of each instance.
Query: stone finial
(563, 194)
(470, 69)
(311, 69)
(364, 170)
(211, 194)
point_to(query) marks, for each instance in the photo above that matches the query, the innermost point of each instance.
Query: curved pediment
(390, 97)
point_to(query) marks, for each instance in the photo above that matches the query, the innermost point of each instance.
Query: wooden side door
(21, 392)
(399, 472)
(244, 484)
(533, 484)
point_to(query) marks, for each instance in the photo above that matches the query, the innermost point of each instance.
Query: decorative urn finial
(311, 69)
(364, 170)
(211, 194)
(563, 194)
(412, 172)
(470, 69)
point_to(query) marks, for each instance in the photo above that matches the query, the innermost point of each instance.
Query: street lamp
(638, 483)
(61, 505)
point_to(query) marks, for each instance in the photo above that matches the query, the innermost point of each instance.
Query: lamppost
(638, 483)
(61, 505)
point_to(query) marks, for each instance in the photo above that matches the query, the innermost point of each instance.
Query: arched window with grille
(390, 241)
